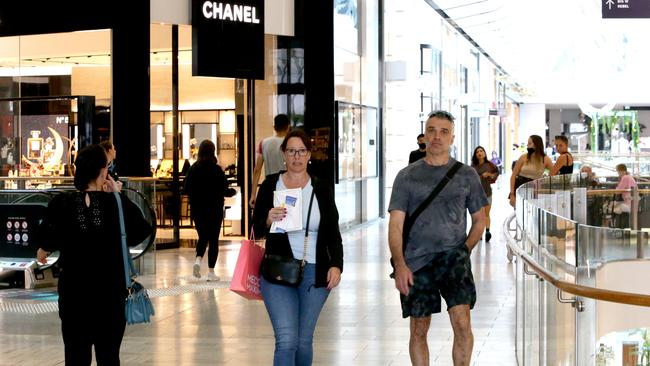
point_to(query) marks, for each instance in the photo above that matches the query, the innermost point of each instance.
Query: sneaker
(196, 270)
(213, 277)
(488, 236)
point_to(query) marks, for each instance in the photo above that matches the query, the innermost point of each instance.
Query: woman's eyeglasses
(294, 152)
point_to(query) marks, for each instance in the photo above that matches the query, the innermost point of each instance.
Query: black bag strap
(304, 251)
(410, 220)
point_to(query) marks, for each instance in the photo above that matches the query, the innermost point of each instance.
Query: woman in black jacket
(84, 226)
(206, 185)
(295, 310)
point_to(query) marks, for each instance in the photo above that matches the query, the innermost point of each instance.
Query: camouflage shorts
(449, 274)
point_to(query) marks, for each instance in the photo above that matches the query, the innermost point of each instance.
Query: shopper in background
(564, 163)
(294, 311)
(529, 166)
(496, 160)
(84, 226)
(269, 154)
(625, 181)
(421, 151)
(207, 187)
(111, 153)
(488, 172)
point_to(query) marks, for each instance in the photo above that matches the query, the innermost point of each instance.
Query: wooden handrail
(575, 289)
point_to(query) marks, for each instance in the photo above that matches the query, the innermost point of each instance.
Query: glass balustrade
(571, 235)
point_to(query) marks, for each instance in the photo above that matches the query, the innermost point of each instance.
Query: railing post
(634, 212)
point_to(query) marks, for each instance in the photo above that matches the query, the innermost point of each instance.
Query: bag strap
(448, 176)
(304, 251)
(126, 255)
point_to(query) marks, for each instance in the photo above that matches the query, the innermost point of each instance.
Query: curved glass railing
(581, 269)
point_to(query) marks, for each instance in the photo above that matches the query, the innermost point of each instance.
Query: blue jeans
(294, 312)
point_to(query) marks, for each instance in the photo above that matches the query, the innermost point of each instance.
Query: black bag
(409, 220)
(519, 180)
(283, 270)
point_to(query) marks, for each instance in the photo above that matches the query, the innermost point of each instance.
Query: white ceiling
(561, 51)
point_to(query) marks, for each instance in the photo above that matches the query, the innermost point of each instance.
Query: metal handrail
(564, 286)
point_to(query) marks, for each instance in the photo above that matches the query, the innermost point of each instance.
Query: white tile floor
(360, 324)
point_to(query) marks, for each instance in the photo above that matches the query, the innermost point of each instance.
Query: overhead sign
(626, 8)
(228, 38)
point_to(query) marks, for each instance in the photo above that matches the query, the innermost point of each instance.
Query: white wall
(532, 121)
(626, 276)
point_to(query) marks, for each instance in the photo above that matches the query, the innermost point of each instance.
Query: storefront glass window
(55, 95)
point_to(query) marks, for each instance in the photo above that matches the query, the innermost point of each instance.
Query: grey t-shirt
(273, 156)
(443, 224)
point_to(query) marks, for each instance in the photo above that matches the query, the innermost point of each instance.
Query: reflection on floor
(360, 324)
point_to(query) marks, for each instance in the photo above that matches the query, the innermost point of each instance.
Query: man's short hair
(442, 115)
(420, 136)
(281, 122)
(562, 138)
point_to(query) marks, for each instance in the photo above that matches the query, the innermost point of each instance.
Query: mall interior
(157, 77)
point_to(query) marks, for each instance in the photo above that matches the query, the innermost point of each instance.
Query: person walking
(269, 154)
(432, 259)
(84, 227)
(488, 172)
(564, 163)
(529, 166)
(294, 310)
(207, 187)
(420, 152)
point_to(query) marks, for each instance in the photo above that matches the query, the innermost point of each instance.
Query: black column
(130, 109)
(315, 26)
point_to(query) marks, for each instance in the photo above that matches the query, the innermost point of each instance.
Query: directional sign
(626, 8)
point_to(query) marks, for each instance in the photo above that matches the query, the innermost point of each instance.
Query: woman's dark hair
(299, 134)
(89, 163)
(622, 168)
(475, 158)
(539, 148)
(206, 151)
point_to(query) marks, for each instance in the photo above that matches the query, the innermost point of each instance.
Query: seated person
(589, 177)
(625, 181)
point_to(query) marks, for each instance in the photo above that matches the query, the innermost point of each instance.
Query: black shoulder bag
(283, 270)
(410, 219)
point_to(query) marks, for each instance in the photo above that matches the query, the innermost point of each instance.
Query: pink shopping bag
(246, 280)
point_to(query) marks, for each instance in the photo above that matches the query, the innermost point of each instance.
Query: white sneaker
(213, 277)
(196, 270)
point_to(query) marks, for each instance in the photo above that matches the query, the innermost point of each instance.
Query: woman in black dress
(84, 226)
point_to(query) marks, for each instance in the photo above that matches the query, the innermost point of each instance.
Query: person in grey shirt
(436, 260)
(269, 154)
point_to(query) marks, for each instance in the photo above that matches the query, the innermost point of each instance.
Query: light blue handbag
(138, 307)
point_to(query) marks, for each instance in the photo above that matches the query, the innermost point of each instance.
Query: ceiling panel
(560, 51)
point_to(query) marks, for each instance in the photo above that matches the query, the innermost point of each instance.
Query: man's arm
(476, 231)
(257, 171)
(403, 275)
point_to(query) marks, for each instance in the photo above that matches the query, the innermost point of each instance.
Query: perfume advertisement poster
(44, 139)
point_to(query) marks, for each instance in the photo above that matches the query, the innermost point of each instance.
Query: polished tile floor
(360, 324)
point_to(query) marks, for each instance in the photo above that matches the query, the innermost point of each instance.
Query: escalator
(21, 213)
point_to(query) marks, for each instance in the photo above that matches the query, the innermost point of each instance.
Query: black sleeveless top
(567, 169)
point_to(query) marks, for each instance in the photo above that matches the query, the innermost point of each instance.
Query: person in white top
(530, 166)
(269, 154)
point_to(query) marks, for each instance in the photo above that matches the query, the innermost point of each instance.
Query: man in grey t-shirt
(269, 154)
(436, 260)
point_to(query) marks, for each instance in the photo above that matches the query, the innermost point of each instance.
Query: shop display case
(39, 136)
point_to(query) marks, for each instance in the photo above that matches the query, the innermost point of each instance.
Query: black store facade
(117, 72)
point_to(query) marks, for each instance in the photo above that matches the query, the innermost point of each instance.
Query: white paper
(291, 199)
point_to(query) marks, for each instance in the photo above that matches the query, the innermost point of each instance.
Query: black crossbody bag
(410, 219)
(283, 270)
